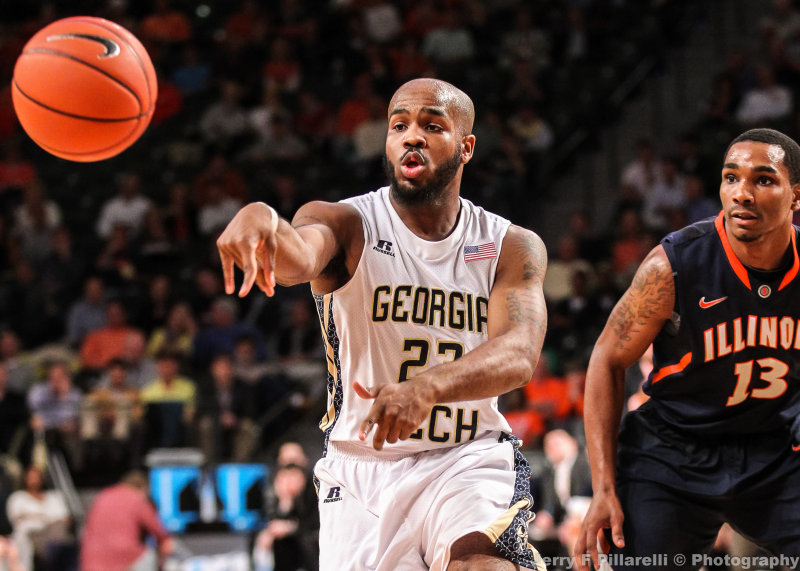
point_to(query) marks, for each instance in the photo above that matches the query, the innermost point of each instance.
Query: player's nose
(414, 137)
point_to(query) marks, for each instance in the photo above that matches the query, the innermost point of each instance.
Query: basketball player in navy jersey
(716, 441)
(430, 307)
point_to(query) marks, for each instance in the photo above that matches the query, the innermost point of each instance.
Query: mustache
(413, 151)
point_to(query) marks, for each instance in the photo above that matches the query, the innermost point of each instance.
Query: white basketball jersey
(411, 304)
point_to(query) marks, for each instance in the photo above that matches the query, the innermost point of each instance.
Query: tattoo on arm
(532, 251)
(651, 294)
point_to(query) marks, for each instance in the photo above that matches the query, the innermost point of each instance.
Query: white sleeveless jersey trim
(411, 304)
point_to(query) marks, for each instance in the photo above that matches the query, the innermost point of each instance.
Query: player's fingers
(373, 417)
(579, 550)
(269, 265)
(384, 426)
(616, 529)
(591, 549)
(227, 270)
(393, 435)
(602, 541)
(250, 268)
(362, 392)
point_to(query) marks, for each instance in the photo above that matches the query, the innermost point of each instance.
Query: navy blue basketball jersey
(729, 360)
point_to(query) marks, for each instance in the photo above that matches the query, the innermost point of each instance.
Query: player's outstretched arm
(632, 326)
(269, 250)
(517, 319)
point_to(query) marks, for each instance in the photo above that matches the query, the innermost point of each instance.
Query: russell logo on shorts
(334, 495)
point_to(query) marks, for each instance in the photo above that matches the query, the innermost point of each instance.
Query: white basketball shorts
(404, 512)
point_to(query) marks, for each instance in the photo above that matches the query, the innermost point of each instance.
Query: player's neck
(769, 252)
(431, 221)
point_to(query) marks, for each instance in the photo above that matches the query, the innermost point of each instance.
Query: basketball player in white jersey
(430, 307)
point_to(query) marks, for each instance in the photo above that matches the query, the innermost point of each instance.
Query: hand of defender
(250, 242)
(604, 512)
(398, 410)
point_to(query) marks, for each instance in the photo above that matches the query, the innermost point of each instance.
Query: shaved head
(457, 103)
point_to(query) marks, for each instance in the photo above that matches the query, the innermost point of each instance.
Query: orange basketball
(84, 88)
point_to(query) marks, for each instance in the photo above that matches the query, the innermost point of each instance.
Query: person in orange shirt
(107, 343)
(166, 25)
(548, 395)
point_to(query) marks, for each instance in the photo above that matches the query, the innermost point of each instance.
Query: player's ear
(468, 147)
(796, 196)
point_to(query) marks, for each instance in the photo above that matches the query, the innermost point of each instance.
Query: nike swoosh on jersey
(706, 304)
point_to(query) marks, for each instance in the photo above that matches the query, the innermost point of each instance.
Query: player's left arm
(517, 320)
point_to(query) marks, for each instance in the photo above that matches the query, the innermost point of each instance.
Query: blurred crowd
(115, 334)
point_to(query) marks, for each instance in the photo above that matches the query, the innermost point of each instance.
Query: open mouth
(411, 164)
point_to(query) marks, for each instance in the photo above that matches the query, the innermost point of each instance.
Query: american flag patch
(485, 251)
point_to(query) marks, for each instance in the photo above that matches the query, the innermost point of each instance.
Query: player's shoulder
(523, 248)
(698, 230)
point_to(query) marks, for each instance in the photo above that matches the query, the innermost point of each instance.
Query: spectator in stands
(698, 205)
(179, 214)
(170, 401)
(643, 172)
(40, 519)
(88, 313)
(155, 308)
(531, 129)
(526, 42)
(566, 475)
(287, 542)
(192, 75)
(62, 273)
(126, 209)
(13, 417)
(16, 172)
(140, 365)
(221, 173)
(281, 144)
(227, 409)
(668, 193)
(548, 396)
(111, 418)
(630, 245)
(55, 407)
(558, 283)
(450, 43)
(207, 289)
(118, 521)
(116, 262)
(282, 70)
(177, 333)
(221, 334)
(156, 252)
(299, 337)
(217, 211)
(19, 366)
(525, 423)
(35, 221)
(224, 122)
(165, 25)
(766, 102)
(108, 342)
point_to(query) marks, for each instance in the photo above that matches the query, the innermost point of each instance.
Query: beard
(412, 194)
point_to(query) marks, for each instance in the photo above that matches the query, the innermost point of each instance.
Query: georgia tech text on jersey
(430, 306)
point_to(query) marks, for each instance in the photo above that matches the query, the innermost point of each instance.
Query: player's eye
(398, 127)
(433, 128)
(764, 180)
(729, 178)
